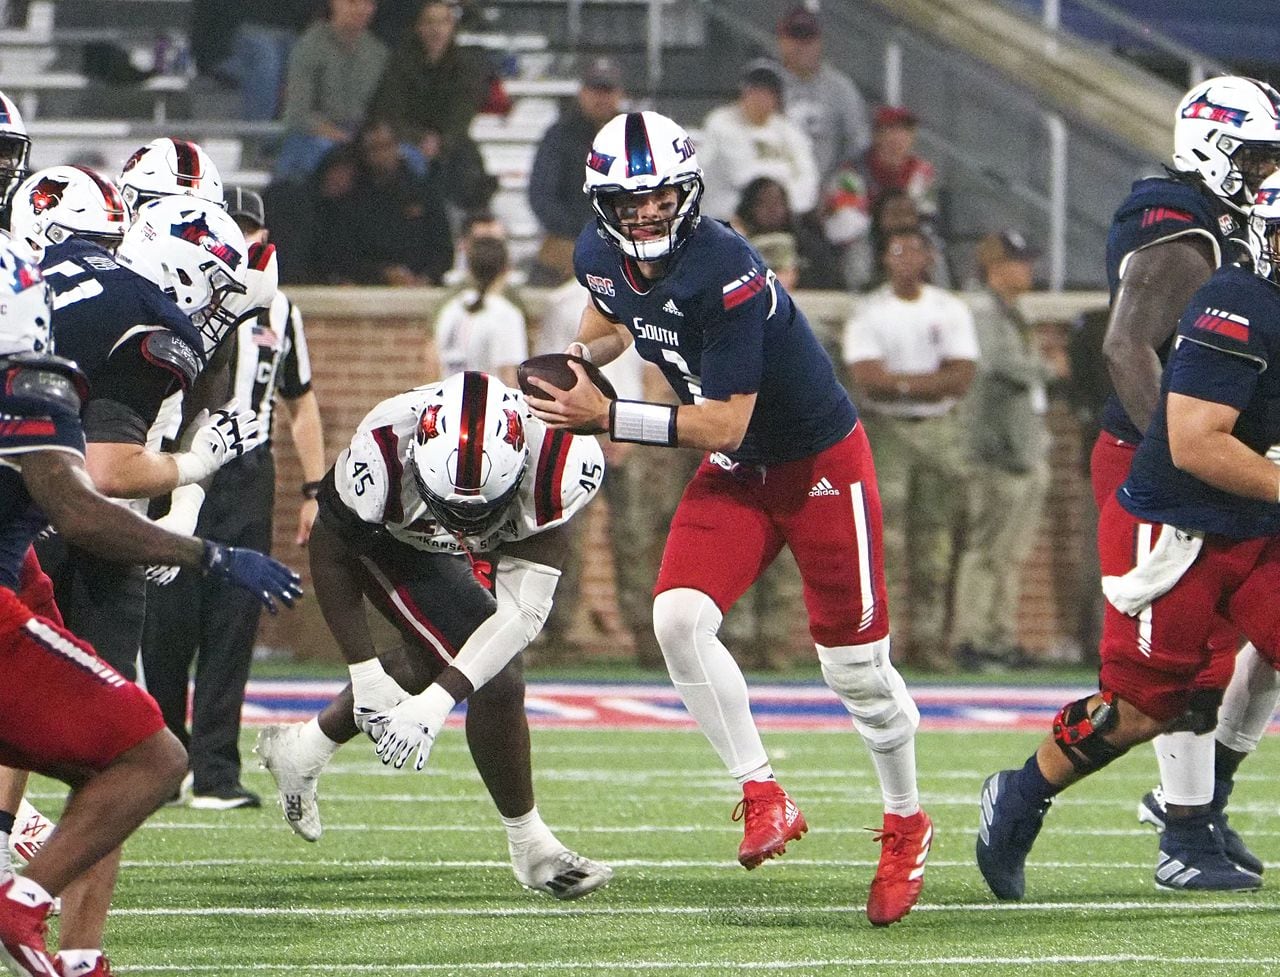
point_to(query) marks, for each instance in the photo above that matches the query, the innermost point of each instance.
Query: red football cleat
(900, 874)
(22, 929)
(770, 819)
(100, 968)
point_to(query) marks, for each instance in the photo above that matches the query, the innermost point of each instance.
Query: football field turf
(412, 875)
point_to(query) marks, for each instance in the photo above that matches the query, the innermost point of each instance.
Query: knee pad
(684, 621)
(873, 692)
(1202, 713)
(1078, 730)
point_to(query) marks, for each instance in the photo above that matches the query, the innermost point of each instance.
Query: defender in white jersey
(449, 512)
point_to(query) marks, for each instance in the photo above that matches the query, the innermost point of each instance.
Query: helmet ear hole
(184, 277)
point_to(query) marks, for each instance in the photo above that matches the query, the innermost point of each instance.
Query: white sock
(315, 749)
(708, 679)
(1248, 703)
(896, 768)
(762, 772)
(528, 835)
(28, 892)
(78, 961)
(6, 856)
(1186, 767)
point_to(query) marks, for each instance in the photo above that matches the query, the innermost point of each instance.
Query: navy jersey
(133, 343)
(27, 424)
(1228, 352)
(1160, 209)
(719, 323)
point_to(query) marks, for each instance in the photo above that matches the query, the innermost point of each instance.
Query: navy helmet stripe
(475, 393)
(639, 153)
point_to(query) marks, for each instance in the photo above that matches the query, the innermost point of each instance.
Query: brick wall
(368, 344)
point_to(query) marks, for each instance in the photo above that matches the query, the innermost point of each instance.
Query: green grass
(411, 876)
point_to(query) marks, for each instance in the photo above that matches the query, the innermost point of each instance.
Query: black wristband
(214, 556)
(311, 489)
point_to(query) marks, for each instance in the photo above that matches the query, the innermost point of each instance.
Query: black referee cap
(245, 203)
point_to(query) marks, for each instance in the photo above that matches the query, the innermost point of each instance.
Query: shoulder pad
(45, 379)
(174, 354)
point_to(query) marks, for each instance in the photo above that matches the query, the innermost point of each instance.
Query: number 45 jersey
(374, 481)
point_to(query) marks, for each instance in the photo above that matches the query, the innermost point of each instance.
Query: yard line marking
(709, 863)
(1177, 906)
(723, 966)
(1134, 832)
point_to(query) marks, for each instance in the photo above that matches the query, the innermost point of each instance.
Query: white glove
(375, 693)
(413, 725)
(183, 514)
(213, 440)
(261, 280)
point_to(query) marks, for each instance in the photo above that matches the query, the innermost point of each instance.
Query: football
(553, 368)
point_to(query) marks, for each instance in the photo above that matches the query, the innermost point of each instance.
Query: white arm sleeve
(524, 591)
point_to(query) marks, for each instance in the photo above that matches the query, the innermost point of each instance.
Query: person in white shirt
(751, 138)
(480, 329)
(912, 351)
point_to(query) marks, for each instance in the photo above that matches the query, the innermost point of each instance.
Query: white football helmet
(15, 149)
(26, 318)
(59, 202)
(196, 254)
(1264, 228)
(634, 154)
(1227, 130)
(170, 167)
(469, 453)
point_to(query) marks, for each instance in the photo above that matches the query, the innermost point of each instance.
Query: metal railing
(1199, 65)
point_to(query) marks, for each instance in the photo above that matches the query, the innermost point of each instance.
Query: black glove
(257, 573)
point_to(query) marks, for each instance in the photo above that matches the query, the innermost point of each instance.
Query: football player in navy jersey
(1194, 528)
(63, 711)
(1166, 239)
(789, 466)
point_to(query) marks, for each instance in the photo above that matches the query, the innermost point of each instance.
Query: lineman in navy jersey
(137, 347)
(790, 466)
(1165, 241)
(449, 512)
(1195, 528)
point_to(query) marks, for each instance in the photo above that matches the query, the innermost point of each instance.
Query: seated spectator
(333, 72)
(751, 138)
(892, 164)
(429, 93)
(259, 55)
(377, 221)
(857, 230)
(764, 210)
(819, 98)
(555, 181)
(479, 329)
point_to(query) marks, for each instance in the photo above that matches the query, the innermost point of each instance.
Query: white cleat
(31, 830)
(565, 875)
(277, 749)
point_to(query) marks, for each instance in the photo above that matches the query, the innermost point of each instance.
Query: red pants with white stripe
(1158, 658)
(1108, 468)
(61, 706)
(732, 523)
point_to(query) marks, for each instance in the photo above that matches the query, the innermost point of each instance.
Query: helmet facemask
(466, 517)
(616, 213)
(15, 153)
(215, 320)
(1251, 163)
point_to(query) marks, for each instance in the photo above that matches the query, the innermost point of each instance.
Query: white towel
(1156, 572)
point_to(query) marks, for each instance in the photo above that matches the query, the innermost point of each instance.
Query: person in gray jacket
(1009, 441)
